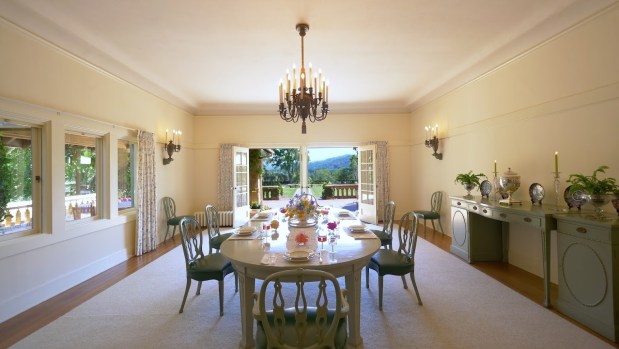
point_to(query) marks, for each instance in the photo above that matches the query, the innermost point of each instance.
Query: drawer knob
(581, 230)
(503, 215)
(485, 211)
(459, 203)
(475, 208)
(527, 219)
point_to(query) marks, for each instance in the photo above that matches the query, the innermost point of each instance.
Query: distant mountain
(330, 163)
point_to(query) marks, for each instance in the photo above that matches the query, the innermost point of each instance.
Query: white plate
(264, 214)
(297, 256)
(343, 214)
(247, 230)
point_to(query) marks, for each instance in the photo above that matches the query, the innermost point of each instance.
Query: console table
(589, 271)
(480, 230)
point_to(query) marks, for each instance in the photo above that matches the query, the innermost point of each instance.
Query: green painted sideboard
(589, 271)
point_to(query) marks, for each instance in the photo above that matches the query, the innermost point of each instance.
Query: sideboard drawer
(479, 209)
(585, 232)
(519, 218)
(458, 203)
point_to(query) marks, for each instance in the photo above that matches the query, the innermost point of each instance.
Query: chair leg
(185, 296)
(412, 275)
(424, 227)
(173, 232)
(433, 227)
(166, 233)
(221, 298)
(404, 282)
(441, 226)
(367, 277)
(199, 288)
(380, 292)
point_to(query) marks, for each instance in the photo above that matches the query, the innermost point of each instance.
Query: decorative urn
(509, 182)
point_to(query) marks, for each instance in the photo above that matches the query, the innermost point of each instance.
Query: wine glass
(332, 242)
(322, 237)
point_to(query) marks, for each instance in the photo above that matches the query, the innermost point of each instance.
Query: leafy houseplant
(592, 184)
(469, 180)
(595, 190)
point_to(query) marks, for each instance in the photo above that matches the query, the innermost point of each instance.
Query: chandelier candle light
(303, 100)
(432, 140)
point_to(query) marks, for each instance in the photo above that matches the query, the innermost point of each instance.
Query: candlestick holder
(495, 182)
(557, 185)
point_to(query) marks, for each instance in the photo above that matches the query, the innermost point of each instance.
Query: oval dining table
(255, 258)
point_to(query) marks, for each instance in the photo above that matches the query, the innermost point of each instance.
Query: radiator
(225, 218)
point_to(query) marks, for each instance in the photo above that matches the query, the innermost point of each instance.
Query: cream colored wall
(44, 83)
(562, 96)
(271, 131)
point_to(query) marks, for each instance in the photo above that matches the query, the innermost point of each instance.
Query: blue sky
(316, 154)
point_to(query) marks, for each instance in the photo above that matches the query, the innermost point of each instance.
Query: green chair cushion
(384, 237)
(210, 267)
(218, 240)
(290, 334)
(427, 214)
(391, 262)
(177, 219)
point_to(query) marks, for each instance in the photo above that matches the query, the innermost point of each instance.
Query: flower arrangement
(301, 206)
(301, 239)
(275, 224)
(331, 225)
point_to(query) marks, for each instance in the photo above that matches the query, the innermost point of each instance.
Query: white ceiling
(214, 57)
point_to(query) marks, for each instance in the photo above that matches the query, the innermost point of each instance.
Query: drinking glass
(332, 242)
(322, 237)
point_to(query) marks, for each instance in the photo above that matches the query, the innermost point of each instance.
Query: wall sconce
(432, 140)
(171, 147)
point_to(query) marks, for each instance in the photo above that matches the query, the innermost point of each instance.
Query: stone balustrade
(342, 191)
(270, 192)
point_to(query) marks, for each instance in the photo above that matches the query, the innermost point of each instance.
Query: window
(126, 175)
(19, 179)
(81, 176)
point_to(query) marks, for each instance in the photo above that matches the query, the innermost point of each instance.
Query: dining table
(255, 254)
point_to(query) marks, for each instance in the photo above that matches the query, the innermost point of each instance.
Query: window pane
(80, 153)
(16, 185)
(126, 175)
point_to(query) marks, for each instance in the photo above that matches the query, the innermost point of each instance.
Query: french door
(240, 190)
(367, 183)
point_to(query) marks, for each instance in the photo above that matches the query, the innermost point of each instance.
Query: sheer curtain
(381, 162)
(146, 239)
(226, 180)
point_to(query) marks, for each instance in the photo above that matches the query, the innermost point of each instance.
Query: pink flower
(301, 238)
(331, 225)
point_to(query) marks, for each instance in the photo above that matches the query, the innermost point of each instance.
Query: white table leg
(353, 285)
(247, 287)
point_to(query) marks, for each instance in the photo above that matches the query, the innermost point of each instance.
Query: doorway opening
(329, 173)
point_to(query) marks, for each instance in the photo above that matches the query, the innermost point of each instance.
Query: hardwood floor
(22, 325)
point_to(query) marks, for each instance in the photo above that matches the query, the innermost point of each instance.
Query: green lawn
(316, 189)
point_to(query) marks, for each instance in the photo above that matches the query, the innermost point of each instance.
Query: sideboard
(480, 230)
(589, 271)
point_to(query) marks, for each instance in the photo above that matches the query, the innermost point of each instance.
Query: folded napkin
(268, 259)
(358, 236)
(357, 227)
(247, 229)
(242, 237)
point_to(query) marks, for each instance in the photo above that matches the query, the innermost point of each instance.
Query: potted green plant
(597, 191)
(469, 180)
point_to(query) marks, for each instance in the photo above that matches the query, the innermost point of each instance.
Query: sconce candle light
(432, 140)
(173, 145)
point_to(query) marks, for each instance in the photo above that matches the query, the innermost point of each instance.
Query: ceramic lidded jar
(509, 181)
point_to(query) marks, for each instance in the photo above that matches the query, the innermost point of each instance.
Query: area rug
(462, 308)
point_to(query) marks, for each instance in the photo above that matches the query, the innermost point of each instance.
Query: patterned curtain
(226, 180)
(147, 238)
(382, 176)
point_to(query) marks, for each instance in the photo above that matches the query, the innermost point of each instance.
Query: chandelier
(304, 101)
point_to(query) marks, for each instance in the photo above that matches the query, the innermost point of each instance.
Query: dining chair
(169, 206)
(215, 238)
(434, 213)
(201, 267)
(385, 235)
(400, 262)
(300, 316)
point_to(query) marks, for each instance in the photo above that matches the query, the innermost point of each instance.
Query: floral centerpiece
(301, 210)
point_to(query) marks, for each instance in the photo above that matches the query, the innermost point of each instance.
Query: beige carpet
(462, 308)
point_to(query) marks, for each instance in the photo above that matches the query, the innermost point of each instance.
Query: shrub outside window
(81, 180)
(19, 149)
(126, 175)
